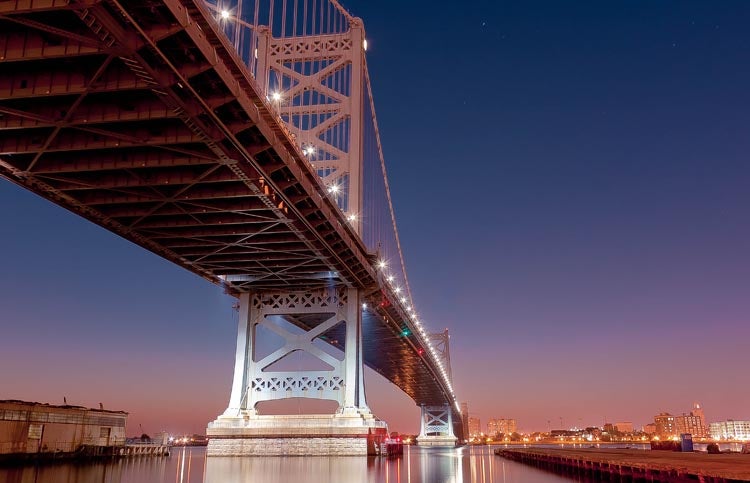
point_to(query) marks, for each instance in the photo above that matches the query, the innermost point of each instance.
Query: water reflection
(475, 464)
(438, 465)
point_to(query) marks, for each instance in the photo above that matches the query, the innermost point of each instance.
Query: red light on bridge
(420, 351)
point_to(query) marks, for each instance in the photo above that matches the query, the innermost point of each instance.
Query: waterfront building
(730, 430)
(501, 426)
(30, 427)
(649, 428)
(492, 427)
(698, 412)
(465, 416)
(624, 427)
(665, 425)
(474, 427)
(690, 423)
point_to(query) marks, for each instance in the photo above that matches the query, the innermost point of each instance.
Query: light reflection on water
(475, 464)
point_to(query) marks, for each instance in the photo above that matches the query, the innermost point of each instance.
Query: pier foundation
(332, 315)
(436, 427)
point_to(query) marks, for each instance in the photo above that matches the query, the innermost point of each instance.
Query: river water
(190, 465)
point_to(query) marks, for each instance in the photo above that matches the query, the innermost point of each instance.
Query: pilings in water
(635, 465)
(143, 450)
(85, 453)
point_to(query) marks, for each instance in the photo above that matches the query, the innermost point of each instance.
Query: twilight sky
(572, 186)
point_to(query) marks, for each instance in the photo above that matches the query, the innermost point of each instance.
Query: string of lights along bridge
(240, 142)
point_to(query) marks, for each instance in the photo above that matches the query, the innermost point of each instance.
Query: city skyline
(575, 213)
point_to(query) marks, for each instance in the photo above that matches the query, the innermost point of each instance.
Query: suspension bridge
(240, 142)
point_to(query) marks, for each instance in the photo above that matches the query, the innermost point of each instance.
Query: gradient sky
(572, 186)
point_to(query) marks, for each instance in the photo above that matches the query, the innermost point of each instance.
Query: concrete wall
(32, 427)
(288, 446)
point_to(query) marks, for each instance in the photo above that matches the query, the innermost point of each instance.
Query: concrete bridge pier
(436, 428)
(324, 313)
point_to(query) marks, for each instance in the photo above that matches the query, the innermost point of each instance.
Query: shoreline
(659, 466)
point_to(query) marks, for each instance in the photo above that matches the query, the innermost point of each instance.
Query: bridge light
(308, 150)
(406, 332)
(397, 289)
(276, 96)
(390, 278)
(364, 44)
(224, 14)
(351, 217)
(364, 306)
(334, 188)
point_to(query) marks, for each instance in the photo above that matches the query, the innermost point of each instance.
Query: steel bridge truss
(319, 312)
(139, 116)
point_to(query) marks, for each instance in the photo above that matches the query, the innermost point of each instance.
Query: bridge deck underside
(136, 115)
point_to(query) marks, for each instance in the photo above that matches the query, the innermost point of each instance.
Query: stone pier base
(441, 441)
(300, 435)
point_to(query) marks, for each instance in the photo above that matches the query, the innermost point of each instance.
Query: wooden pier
(636, 465)
(143, 450)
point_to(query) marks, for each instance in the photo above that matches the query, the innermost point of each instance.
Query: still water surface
(190, 465)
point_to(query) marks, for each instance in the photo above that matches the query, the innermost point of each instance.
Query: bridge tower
(314, 82)
(436, 428)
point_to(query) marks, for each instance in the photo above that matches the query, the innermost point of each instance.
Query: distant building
(730, 430)
(465, 418)
(474, 427)
(693, 423)
(501, 426)
(162, 438)
(649, 428)
(624, 427)
(492, 427)
(30, 427)
(689, 423)
(698, 412)
(665, 425)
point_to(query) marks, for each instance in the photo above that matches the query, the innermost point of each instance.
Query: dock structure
(636, 465)
(143, 450)
(32, 431)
